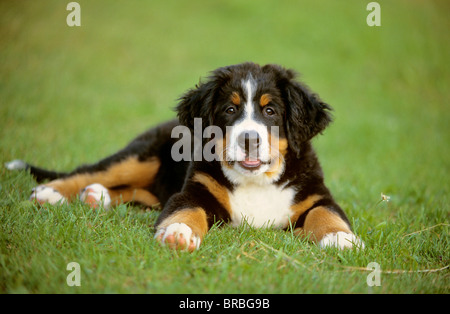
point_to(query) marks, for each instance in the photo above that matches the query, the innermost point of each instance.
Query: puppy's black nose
(249, 142)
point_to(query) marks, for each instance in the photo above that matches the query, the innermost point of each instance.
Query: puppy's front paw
(178, 236)
(45, 194)
(341, 240)
(95, 195)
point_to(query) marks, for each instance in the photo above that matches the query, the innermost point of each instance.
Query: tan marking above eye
(265, 99)
(235, 99)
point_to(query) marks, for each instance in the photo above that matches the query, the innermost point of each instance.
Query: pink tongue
(249, 162)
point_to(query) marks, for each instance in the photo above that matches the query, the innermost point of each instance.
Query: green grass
(74, 95)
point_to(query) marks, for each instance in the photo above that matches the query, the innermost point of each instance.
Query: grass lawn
(72, 95)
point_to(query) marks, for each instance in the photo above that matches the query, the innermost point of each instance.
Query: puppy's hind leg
(96, 195)
(61, 190)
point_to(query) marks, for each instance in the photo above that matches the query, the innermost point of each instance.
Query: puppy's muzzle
(249, 142)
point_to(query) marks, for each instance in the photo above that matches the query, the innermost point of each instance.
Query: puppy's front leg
(188, 215)
(183, 229)
(327, 228)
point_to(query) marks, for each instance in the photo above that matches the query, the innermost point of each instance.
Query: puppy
(245, 157)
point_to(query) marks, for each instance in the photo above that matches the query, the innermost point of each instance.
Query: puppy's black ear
(196, 103)
(199, 101)
(306, 114)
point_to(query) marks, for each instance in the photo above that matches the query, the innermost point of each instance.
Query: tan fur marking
(131, 171)
(195, 218)
(265, 99)
(235, 99)
(70, 187)
(299, 208)
(278, 146)
(216, 189)
(278, 149)
(222, 152)
(283, 145)
(275, 168)
(133, 195)
(319, 222)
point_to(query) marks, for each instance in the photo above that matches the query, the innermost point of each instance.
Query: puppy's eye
(230, 110)
(269, 111)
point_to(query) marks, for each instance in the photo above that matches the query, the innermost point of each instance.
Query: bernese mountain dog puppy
(256, 123)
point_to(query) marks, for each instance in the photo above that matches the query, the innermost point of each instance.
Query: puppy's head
(263, 113)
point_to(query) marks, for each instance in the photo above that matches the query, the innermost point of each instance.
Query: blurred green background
(75, 94)
(71, 95)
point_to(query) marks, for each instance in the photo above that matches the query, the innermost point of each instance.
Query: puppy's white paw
(45, 194)
(96, 195)
(341, 240)
(178, 236)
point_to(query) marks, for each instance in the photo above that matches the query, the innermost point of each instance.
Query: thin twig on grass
(395, 271)
(432, 227)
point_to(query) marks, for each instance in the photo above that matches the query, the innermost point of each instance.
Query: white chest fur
(261, 205)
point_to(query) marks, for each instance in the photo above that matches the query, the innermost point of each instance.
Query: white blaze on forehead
(249, 87)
